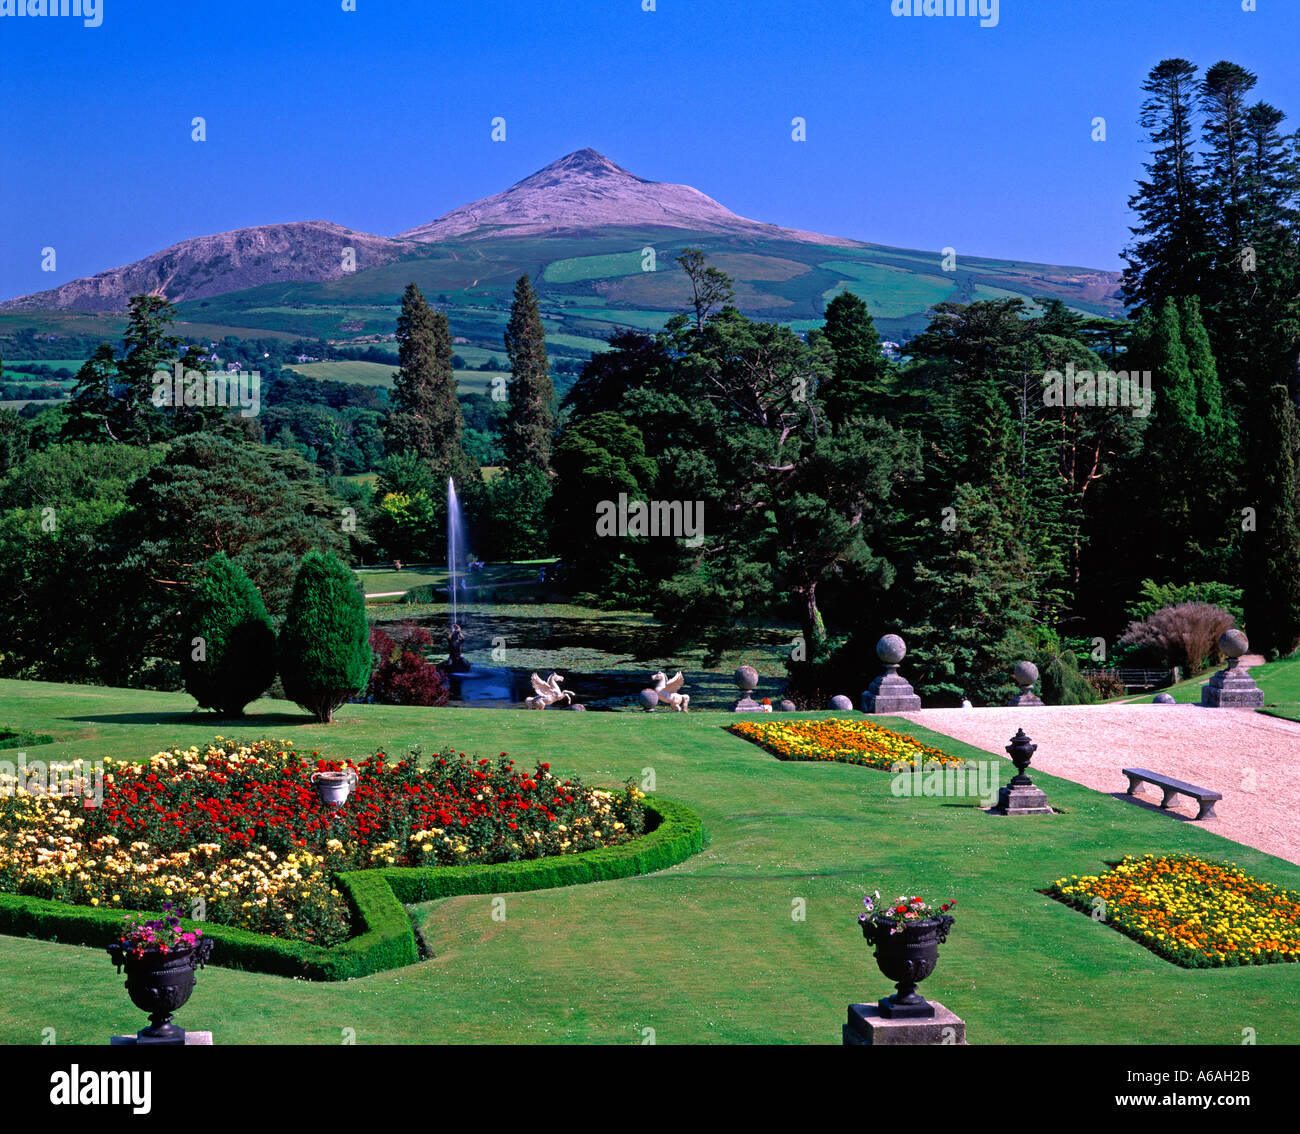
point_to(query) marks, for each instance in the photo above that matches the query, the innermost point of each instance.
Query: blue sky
(921, 132)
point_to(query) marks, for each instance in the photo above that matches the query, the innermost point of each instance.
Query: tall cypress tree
(1168, 256)
(530, 421)
(1272, 551)
(1170, 444)
(1215, 465)
(426, 417)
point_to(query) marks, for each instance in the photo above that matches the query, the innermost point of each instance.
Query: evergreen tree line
(948, 496)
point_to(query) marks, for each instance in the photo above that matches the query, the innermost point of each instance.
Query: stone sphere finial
(649, 699)
(891, 649)
(746, 678)
(1233, 643)
(1025, 673)
(841, 704)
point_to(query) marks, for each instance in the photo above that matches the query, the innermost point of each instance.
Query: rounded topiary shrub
(325, 641)
(228, 649)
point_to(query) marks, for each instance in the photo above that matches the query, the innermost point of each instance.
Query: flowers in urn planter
(163, 934)
(903, 910)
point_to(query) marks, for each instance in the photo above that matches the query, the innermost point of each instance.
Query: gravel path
(1254, 760)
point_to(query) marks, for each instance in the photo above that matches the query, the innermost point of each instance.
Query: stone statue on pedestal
(456, 646)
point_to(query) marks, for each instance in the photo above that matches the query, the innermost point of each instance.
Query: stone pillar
(1232, 688)
(890, 692)
(747, 682)
(1025, 673)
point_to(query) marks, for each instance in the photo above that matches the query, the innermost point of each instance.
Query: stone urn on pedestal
(907, 951)
(1025, 673)
(890, 692)
(1232, 688)
(1021, 796)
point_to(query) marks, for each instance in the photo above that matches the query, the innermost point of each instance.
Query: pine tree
(1264, 339)
(228, 646)
(91, 407)
(857, 385)
(150, 347)
(324, 648)
(1168, 257)
(1223, 93)
(711, 288)
(1272, 551)
(970, 601)
(426, 417)
(530, 421)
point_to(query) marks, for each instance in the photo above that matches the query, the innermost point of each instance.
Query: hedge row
(21, 738)
(387, 938)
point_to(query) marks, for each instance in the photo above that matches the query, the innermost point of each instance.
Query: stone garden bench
(1171, 788)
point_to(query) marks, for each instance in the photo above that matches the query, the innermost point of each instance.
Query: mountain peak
(585, 161)
(585, 190)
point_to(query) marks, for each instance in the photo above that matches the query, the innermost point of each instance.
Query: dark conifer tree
(228, 645)
(857, 385)
(1168, 256)
(426, 417)
(325, 654)
(530, 421)
(1272, 551)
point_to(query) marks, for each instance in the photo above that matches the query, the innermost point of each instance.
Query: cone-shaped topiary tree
(325, 642)
(228, 652)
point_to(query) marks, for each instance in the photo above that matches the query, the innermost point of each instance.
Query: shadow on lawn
(195, 718)
(1149, 805)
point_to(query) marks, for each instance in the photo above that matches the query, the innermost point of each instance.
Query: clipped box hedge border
(387, 938)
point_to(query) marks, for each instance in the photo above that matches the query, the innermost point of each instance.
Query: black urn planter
(907, 958)
(160, 983)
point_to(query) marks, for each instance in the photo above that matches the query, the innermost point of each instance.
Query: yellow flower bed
(841, 741)
(1195, 913)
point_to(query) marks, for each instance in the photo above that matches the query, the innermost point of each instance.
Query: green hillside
(594, 283)
(590, 285)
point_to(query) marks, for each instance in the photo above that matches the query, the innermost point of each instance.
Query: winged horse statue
(668, 690)
(548, 692)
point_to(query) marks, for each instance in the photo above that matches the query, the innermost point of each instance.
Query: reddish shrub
(1183, 635)
(402, 673)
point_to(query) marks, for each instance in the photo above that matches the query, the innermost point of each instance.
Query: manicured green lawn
(707, 951)
(1279, 681)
